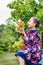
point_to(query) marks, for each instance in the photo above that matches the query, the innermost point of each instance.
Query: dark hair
(36, 20)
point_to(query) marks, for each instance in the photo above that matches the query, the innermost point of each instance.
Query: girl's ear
(34, 24)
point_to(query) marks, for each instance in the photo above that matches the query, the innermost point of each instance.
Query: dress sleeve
(32, 39)
(22, 34)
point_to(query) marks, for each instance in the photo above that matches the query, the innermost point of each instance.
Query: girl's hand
(22, 32)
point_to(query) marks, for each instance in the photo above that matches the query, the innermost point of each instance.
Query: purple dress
(32, 53)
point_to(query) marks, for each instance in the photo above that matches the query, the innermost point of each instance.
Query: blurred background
(10, 12)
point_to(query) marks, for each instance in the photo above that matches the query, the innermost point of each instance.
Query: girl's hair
(36, 20)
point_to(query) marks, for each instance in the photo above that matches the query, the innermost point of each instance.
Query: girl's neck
(33, 28)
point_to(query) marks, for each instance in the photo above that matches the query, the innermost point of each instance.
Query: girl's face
(31, 23)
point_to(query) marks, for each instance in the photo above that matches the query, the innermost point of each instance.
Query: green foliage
(8, 37)
(15, 47)
(42, 51)
(7, 58)
(23, 9)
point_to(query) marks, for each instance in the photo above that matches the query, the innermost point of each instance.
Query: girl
(32, 52)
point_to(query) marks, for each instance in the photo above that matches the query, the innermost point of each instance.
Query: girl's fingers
(21, 32)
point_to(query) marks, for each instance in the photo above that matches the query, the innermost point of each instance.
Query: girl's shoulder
(35, 31)
(32, 31)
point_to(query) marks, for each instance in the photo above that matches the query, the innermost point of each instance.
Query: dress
(32, 53)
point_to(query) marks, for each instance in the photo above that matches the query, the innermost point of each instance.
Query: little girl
(32, 53)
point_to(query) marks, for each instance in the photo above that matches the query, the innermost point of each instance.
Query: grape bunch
(20, 25)
(21, 44)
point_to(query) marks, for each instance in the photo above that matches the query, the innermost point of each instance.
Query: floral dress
(32, 53)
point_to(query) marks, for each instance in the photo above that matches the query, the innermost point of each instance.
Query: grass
(7, 58)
